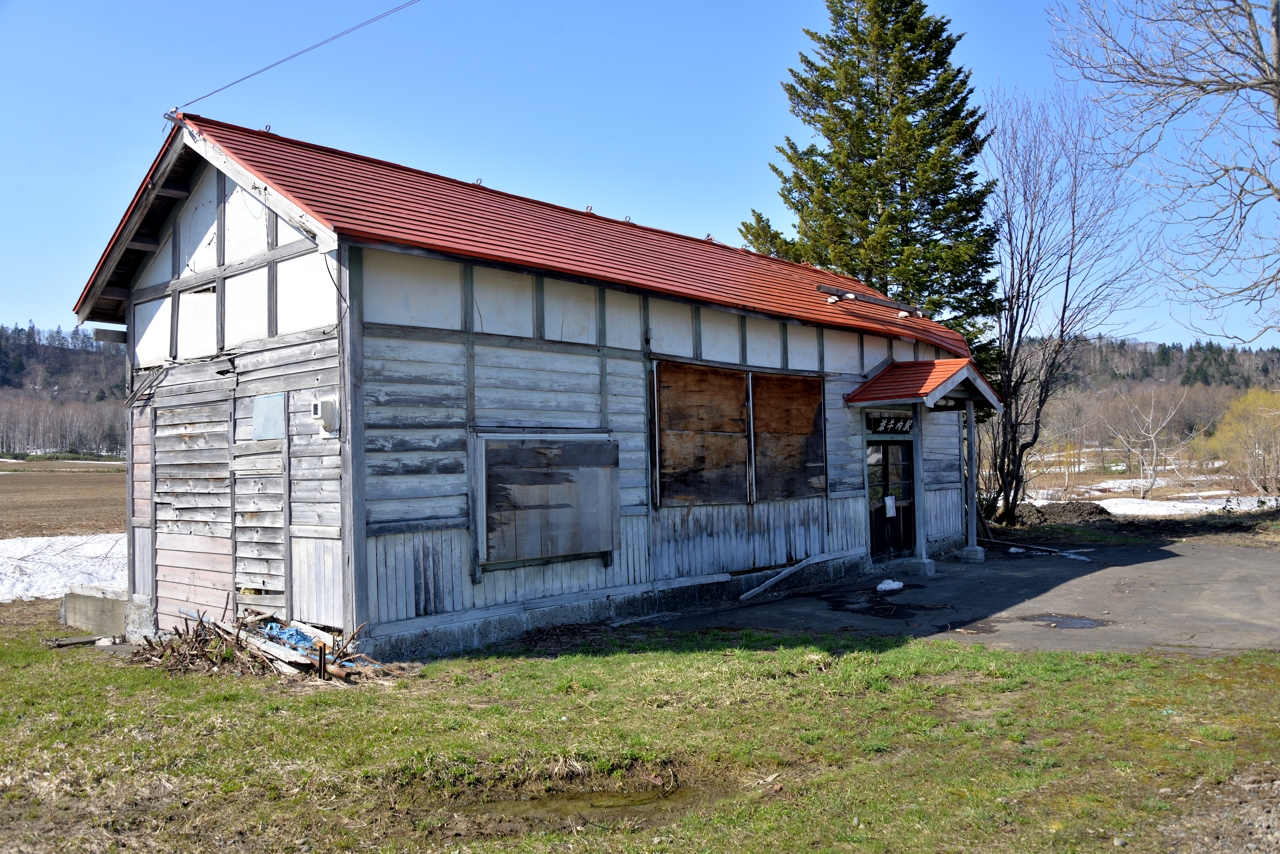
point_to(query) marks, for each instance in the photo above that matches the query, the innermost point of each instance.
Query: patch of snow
(46, 567)
(888, 584)
(1073, 555)
(1017, 551)
(1147, 507)
(1211, 493)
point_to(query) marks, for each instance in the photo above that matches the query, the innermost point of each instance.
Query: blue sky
(666, 112)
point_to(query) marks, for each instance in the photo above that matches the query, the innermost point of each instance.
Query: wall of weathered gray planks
(943, 478)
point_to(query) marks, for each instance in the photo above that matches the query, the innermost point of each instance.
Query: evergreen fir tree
(889, 194)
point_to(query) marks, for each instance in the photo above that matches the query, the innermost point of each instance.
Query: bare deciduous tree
(1192, 88)
(1142, 428)
(1069, 259)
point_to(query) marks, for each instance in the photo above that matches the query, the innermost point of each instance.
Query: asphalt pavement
(1201, 599)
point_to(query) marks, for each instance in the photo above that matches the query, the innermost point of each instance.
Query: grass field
(48, 499)
(629, 740)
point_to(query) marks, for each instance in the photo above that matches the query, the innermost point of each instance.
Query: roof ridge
(529, 199)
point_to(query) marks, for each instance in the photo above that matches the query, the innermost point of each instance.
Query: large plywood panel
(790, 460)
(151, 331)
(306, 294)
(764, 343)
(412, 291)
(702, 435)
(245, 219)
(841, 352)
(503, 302)
(245, 307)
(570, 311)
(802, 348)
(670, 328)
(197, 323)
(623, 324)
(874, 351)
(721, 338)
(198, 226)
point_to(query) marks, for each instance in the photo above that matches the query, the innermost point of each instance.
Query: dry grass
(50, 499)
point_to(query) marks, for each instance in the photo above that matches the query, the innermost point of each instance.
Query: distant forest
(1105, 361)
(60, 392)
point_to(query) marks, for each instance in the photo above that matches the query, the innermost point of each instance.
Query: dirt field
(49, 499)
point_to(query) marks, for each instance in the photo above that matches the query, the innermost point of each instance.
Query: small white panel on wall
(904, 351)
(244, 307)
(151, 332)
(245, 219)
(503, 302)
(840, 351)
(670, 328)
(764, 342)
(928, 352)
(874, 351)
(198, 229)
(623, 327)
(286, 233)
(721, 338)
(412, 291)
(802, 348)
(159, 269)
(197, 323)
(569, 311)
(306, 296)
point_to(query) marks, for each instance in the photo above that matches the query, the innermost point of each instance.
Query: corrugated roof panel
(372, 200)
(907, 380)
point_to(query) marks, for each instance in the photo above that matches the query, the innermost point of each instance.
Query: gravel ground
(1241, 815)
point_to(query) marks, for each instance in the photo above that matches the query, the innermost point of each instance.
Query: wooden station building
(366, 395)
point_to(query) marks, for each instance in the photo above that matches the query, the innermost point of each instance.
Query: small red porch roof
(925, 382)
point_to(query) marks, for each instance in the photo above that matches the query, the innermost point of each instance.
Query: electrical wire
(333, 38)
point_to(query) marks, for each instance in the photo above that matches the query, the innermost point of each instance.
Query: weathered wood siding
(140, 510)
(846, 453)
(943, 478)
(710, 539)
(258, 471)
(317, 581)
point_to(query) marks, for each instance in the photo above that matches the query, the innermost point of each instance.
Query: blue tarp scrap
(290, 636)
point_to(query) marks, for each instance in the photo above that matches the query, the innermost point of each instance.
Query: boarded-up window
(717, 444)
(702, 435)
(548, 498)
(787, 416)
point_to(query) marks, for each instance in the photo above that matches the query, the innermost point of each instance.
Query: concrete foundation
(97, 610)
(456, 633)
(970, 554)
(140, 619)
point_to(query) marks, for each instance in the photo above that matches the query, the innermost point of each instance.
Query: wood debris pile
(259, 645)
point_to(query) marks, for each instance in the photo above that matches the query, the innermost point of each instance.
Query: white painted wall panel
(412, 291)
(802, 348)
(197, 324)
(245, 219)
(928, 352)
(874, 351)
(159, 268)
(503, 302)
(570, 311)
(904, 351)
(841, 352)
(721, 336)
(198, 228)
(622, 321)
(245, 307)
(764, 342)
(151, 332)
(306, 296)
(670, 328)
(286, 233)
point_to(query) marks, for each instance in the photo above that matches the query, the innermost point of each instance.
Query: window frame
(480, 490)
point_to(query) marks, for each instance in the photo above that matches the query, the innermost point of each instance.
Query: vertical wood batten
(355, 569)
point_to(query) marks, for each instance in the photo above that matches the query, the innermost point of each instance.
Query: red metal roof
(372, 200)
(902, 381)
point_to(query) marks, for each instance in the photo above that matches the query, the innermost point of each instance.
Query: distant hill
(60, 392)
(1104, 361)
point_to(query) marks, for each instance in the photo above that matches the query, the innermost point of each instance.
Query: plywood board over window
(702, 435)
(787, 418)
(549, 497)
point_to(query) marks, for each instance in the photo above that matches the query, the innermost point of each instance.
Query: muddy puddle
(649, 808)
(1064, 621)
(873, 603)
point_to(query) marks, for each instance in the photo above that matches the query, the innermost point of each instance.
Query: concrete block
(95, 609)
(139, 619)
(970, 554)
(913, 566)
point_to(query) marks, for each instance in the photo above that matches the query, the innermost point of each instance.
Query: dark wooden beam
(110, 292)
(146, 244)
(110, 336)
(173, 191)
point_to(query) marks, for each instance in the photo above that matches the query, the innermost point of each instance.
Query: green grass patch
(723, 741)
